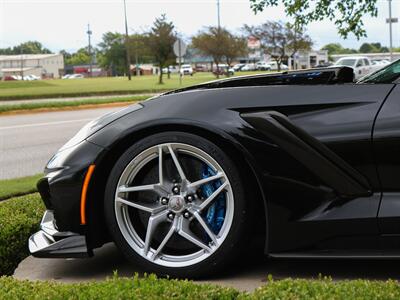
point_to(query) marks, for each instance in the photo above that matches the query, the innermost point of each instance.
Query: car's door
(386, 140)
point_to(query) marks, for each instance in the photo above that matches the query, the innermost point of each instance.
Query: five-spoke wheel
(173, 204)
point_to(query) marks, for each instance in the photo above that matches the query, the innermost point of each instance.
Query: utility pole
(391, 20)
(89, 33)
(22, 62)
(390, 30)
(218, 15)
(128, 57)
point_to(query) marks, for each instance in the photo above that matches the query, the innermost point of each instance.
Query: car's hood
(329, 75)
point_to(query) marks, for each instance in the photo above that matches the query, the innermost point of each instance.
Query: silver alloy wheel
(173, 206)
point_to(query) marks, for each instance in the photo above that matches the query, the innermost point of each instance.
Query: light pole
(128, 57)
(218, 15)
(89, 33)
(390, 30)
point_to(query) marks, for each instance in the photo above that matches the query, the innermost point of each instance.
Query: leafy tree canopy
(30, 47)
(346, 14)
(160, 41)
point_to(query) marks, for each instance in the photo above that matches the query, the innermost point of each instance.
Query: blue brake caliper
(215, 214)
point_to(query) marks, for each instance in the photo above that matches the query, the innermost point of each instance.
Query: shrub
(148, 287)
(327, 289)
(19, 218)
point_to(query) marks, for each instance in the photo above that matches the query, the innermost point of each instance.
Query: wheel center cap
(176, 203)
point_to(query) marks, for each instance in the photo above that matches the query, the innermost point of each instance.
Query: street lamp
(128, 57)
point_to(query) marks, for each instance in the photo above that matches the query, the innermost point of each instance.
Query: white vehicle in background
(31, 77)
(238, 67)
(186, 70)
(274, 66)
(361, 65)
(249, 67)
(263, 66)
(75, 76)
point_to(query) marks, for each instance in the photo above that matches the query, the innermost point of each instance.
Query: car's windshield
(387, 74)
(349, 62)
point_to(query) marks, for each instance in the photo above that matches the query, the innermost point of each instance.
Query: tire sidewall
(234, 241)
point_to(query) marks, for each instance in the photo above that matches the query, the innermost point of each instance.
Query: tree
(80, 57)
(220, 44)
(280, 40)
(346, 14)
(233, 47)
(112, 53)
(30, 47)
(208, 42)
(160, 41)
(336, 48)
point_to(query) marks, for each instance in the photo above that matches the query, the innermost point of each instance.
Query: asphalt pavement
(28, 141)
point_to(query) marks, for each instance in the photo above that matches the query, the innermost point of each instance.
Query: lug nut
(164, 201)
(175, 190)
(186, 214)
(171, 216)
(189, 198)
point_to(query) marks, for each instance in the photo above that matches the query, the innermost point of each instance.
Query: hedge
(148, 287)
(19, 218)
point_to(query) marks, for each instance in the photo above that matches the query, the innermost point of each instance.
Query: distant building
(308, 59)
(41, 65)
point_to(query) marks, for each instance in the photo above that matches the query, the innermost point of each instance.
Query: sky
(62, 24)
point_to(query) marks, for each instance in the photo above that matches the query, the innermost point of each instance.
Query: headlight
(95, 125)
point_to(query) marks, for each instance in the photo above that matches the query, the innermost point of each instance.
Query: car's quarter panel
(386, 139)
(303, 210)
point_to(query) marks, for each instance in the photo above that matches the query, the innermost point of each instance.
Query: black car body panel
(319, 153)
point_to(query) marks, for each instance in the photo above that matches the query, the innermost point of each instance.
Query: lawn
(43, 105)
(18, 186)
(11, 90)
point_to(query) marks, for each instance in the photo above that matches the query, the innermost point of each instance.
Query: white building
(308, 59)
(42, 65)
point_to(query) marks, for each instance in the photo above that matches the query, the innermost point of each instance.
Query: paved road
(28, 141)
(247, 276)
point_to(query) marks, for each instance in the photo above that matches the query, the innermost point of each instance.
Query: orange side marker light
(84, 193)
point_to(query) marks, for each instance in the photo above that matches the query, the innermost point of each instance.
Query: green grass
(71, 103)
(19, 218)
(151, 287)
(11, 90)
(19, 186)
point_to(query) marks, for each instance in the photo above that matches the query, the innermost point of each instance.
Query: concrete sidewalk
(245, 277)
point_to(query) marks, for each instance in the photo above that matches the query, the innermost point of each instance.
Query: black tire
(237, 236)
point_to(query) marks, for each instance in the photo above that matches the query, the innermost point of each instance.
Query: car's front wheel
(175, 205)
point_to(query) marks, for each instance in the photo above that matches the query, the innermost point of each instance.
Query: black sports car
(183, 183)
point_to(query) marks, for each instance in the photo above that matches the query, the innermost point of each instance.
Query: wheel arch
(96, 230)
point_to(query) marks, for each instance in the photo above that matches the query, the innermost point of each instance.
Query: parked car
(75, 76)
(361, 65)
(224, 70)
(274, 66)
(184, 183)
(186, 70)
(238, 67)
(249, 67)
(31, 77)
(263, 66)
(171, 69)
